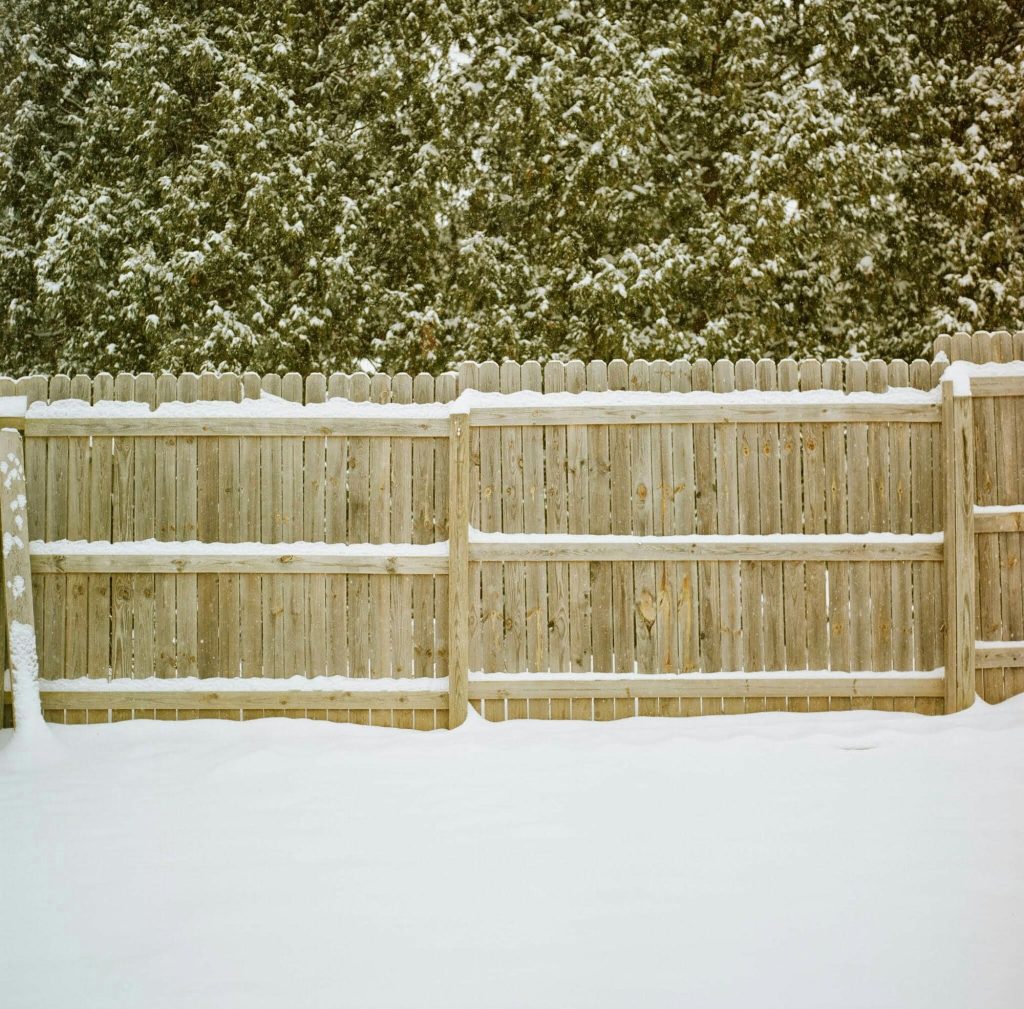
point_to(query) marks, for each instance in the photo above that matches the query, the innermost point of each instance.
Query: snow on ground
(860, 860)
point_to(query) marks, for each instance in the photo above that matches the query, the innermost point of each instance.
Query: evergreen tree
(308, 184)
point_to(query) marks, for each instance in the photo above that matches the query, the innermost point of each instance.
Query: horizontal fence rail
(157, 557)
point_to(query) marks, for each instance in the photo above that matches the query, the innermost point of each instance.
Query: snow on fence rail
(698, 539)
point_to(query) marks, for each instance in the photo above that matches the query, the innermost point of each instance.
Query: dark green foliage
(301, 185)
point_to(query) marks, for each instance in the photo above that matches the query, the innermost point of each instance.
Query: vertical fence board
(836, 522)
(143, 587)
(531, 378)
(770, 509)
(445, 390)
(986, 454)
(880, 573)
(665, 573)
(794, 574)
(250, 587)
(51, 634)
(726, 451)
(296, 643)
(900, 482)
(208, 520)
(559, 659)
(1009, 487)
(8, 387)
(961, 598)
(459, 601)
(1015, 677)
(858, 501)
(35, 388)
(812, 447)
(926, 590)
(707, 522)
(620, 449)
(752, 593)
(271, 525)
(359, 532)
(469, 378)
(578, 521)
(228, 611)
(76, 647)
(100, 488)
(401, 532)
(380, 532)
(492, 612)
(336, 531)
(314, 521)
(598, 522)
(512, 522)
(645, 607)
(685, 608)
(423, 532)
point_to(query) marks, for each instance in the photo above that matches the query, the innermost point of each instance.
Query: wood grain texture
(458, 573)
(704, 586)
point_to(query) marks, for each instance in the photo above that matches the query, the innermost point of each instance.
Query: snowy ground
(860, 860)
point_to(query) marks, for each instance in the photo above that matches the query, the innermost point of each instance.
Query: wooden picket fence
(672, 558)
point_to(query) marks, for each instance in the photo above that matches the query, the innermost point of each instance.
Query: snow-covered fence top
(672, 545)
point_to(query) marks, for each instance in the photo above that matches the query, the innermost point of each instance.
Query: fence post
(959, 550)
(458, 569)
(20, 625)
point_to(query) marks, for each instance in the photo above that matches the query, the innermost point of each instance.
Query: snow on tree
(302, 184)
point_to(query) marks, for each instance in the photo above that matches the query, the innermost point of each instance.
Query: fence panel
(709, 471)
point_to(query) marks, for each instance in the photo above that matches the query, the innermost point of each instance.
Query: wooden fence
(586, 559)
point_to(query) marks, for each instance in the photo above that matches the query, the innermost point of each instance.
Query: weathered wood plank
(143, 587)
(358, 532)
(445, 389)
(423, 532)
(401, 532)
(620, 450)
(999, 654)
(577, 451)
(272, 531)
(250, 586)
(290, 701)
(794, 575)
(76, 646)
(717, 687)
(52, 627)
(705, 412)
(492, 612)
(880, 520)
(769, 476)
(219, 425)
(836, 523)
(19, 610)
(381, 650)
(186, 527)
(988, 607)
(960, 681)
(458, 571)
(684, 486)
(534, 521)
(556, 517)
(512, 517)
(336, 531)
(900, 517)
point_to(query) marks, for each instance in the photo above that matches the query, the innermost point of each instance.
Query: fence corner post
(959, 546)
(19, 624)
(458, 569)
